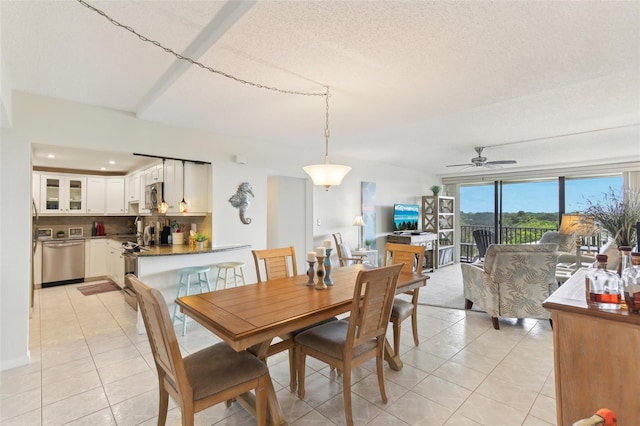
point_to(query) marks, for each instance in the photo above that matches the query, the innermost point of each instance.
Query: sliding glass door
(519, 212)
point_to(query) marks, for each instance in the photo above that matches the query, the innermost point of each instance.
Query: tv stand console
(426, 239)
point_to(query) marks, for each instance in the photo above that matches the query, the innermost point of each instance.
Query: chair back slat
(411, 256)
(372, 302)
(276, 262)
(162, 336)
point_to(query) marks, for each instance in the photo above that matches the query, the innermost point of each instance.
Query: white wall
(15, 250)
(48, 121)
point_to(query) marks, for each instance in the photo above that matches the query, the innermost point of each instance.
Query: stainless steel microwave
(153, 195)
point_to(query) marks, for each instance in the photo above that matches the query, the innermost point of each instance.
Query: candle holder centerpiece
(320, 255)
(327, 263)
(311, 273)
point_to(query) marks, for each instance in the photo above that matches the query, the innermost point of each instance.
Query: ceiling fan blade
(501, 162)
(459, 165)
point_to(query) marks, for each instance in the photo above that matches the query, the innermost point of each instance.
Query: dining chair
(345, 257)
(403, 309)
(276, 262)
(348, 343)
(205, 378)
(276, 265)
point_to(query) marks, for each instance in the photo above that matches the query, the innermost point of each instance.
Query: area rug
(101, 287)
(444, 288)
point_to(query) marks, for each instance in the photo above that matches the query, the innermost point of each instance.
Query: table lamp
(580, 225)
(359, 222)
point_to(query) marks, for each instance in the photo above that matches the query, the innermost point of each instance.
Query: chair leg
(346, 392)
(380, 371)
(468, 304)
(496, 324)
(163, 404)
(414, 326)
(300, 366)
(396, 335)
(188, 415)
(293, 382)
(261, 400)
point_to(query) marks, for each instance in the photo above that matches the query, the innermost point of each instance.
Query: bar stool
(237, 271)
(184, 281)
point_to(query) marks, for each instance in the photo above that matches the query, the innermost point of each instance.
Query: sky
(538, 197)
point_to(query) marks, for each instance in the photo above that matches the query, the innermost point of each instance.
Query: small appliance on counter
(164, 235)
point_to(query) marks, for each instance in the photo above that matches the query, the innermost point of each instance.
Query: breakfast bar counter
(182, 249)
(157, 266)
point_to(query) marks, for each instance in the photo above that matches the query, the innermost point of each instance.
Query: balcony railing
(515, 235)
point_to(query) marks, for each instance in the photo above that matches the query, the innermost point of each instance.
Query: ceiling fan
(481, 161)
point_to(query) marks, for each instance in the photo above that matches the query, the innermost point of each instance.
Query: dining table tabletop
(251, 316)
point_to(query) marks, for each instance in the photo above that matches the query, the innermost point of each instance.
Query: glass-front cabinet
(63, 194)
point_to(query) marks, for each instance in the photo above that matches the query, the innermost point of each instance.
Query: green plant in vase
(435, 189)
(617, 213)
(368, 244)
(199, 237)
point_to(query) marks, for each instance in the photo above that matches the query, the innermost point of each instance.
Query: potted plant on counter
(200, 239)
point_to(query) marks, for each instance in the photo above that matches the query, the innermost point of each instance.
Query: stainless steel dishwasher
(62, 262)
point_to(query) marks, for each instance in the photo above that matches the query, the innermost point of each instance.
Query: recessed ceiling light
(51, 156)
(103, 168)
(112, 162)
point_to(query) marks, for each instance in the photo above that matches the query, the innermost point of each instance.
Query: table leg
(391, 357)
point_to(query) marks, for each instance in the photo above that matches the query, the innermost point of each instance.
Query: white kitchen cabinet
(142, 206)
(115, 262)
(35, 189)
(115, 195)
(132, 186)
(63, 194)
(95, 194)
(155, 174)
(197, 187)
(172, 184)
(95, 257)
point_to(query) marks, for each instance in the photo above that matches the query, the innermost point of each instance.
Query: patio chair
(483, 238)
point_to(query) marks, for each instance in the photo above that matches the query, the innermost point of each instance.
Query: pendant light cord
(193, 61)
(326, 128)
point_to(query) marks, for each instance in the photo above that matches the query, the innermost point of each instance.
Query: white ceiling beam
(220, 24)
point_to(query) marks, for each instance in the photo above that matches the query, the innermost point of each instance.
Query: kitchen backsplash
(118, 224)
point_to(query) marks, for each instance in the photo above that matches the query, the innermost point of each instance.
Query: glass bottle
(606, 287)
(588, 276)
(625, 259)
(631, 284)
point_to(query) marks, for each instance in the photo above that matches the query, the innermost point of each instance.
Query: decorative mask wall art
(241, 201)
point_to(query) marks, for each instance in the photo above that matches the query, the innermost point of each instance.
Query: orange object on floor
(602, 417)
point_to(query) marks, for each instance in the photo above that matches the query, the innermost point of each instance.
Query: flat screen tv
(406, 217)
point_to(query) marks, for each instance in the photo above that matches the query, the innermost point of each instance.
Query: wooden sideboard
(426, 239)
(596, 356)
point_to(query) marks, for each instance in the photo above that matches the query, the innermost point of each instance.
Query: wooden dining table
(251, 316)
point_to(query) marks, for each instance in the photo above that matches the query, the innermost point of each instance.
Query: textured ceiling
(413, 83)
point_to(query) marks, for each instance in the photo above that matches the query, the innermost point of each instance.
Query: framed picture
(75, 232)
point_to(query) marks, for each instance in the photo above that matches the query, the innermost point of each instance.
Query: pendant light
(163, 207)
(326, 174)
(183, 203)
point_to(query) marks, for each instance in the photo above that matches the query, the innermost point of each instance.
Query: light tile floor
(90, 367)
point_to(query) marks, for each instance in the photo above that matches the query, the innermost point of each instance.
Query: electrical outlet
(319, 222)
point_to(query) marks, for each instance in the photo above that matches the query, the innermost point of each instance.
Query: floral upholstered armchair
(513, 281)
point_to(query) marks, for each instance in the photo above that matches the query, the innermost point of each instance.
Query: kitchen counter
(157, 266)
(183, 249)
